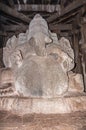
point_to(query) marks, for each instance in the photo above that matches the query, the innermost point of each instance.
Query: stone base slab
(60, 105)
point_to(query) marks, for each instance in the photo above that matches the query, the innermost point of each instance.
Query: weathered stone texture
(40, 66)
(21, 106)
(75, 82)
(39, 61)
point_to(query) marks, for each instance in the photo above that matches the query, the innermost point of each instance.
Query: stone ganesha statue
(39, 65)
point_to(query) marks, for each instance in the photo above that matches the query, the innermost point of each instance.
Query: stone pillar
(1, 51)
(83, 51)
(78, 67)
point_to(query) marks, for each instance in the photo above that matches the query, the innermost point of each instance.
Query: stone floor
(72, 121)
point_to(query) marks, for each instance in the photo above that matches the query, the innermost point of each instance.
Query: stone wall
(1, 57)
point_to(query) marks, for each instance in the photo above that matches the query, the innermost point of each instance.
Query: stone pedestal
(21, 106)
(68, 113)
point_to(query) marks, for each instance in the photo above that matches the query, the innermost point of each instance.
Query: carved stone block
(40, 62)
